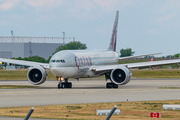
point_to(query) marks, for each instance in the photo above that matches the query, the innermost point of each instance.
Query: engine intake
(121, 75)
(37, 75)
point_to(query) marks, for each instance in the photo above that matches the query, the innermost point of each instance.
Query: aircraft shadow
(71, 88)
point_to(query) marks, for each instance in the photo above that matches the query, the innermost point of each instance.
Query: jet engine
(120, 75)
(37, 75)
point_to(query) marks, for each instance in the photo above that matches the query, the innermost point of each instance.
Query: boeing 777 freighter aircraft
(86, 63)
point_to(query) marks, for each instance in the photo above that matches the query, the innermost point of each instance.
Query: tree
(177, 55)
(75, 45)
(126, 52)
(48, 59)
(169, 56)
(32, 58)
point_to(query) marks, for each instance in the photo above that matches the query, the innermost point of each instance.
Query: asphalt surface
(87, 91)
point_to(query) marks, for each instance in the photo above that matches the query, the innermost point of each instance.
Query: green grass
(137, 61)
(169, 87)
(19, 75)
(145, 73)
(16, 86)
(73, 107)
(129, 111)
(132, 61)
(153, 103)
(157, 73)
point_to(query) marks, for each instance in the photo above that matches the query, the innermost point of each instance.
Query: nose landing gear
(64, 84)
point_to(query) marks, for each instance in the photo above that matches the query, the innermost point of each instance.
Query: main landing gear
(111, 85)
(65, 84)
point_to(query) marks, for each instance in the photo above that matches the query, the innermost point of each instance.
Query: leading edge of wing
(136, 65)
(152, 63)
(122, 58)
(25, 63)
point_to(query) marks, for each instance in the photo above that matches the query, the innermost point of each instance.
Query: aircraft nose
(57, 71)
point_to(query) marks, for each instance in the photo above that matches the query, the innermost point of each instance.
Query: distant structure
(21, 46)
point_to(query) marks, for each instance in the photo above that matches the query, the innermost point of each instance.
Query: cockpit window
(63, 61)
(58, 61)
(52, 60)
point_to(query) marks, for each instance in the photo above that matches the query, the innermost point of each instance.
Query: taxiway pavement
(87, 91)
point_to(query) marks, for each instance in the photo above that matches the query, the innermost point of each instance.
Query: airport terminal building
(15, 46)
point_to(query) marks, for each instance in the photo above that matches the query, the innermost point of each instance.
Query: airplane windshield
(58, 61)
(52, 60)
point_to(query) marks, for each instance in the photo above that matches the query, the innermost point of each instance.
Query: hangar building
(16, 46)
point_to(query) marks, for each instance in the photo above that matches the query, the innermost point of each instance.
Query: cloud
(152, 31)
(82, 9)
(100, 5)
(43, 3)
(171, 5)
(165, 18)
(108, 4)
(75, 5)
(87, 5)
(8, 4)
(86, 8)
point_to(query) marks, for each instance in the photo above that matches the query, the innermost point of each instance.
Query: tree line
(76, 45)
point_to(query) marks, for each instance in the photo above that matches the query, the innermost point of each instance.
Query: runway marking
(92, 91)
(76, 91)
(60, 92)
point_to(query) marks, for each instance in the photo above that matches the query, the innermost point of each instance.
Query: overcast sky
(146, 26)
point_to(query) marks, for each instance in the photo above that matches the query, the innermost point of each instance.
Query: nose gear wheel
(65, 84)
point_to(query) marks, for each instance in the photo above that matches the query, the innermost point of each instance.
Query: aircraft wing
(25, 63)
(122, 58)
(136, 65)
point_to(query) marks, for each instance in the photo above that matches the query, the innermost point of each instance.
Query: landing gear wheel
(69, 85)
(115, 85)
(61, 85)
(64, 85)
(111, 85)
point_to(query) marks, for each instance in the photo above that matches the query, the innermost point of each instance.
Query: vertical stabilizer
(112, 44)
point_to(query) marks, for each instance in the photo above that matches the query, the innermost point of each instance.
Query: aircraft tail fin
(112, 44)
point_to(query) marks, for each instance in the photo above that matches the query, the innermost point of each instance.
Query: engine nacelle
(121, 75)
(37, 75)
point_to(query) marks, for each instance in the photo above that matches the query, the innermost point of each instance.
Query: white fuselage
(77, 63)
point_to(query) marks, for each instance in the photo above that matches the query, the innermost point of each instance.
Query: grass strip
(129, 111)
(16, 86)
(145, 74)
(168, 87)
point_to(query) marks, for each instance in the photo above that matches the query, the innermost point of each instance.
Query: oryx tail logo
(112, 45)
